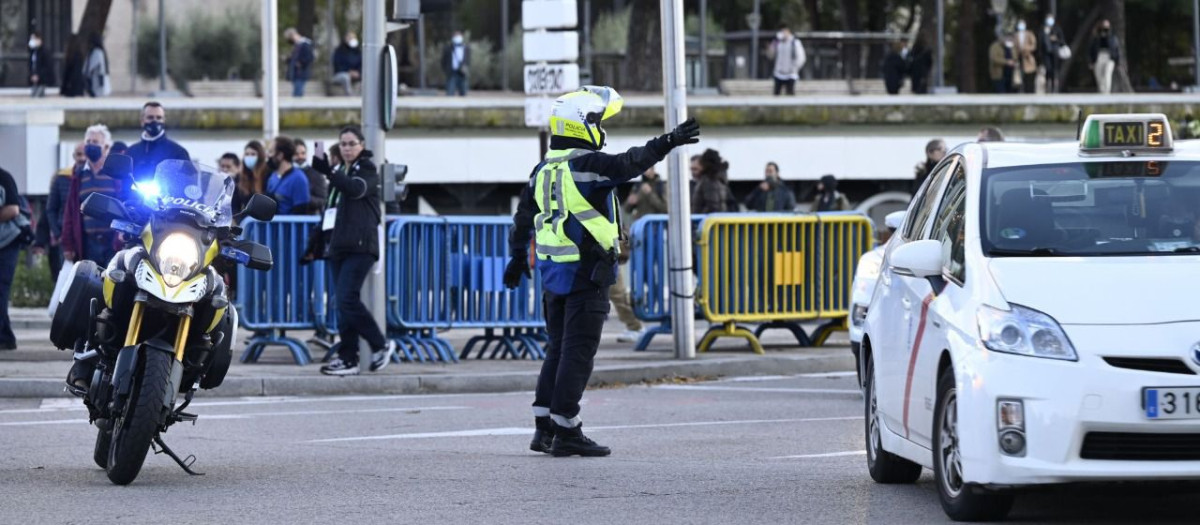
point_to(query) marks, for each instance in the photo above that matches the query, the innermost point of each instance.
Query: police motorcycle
(155, 323)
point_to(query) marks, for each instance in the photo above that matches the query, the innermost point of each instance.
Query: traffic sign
(549, 14)
(551, 79)
(558, 46)
(537, 111)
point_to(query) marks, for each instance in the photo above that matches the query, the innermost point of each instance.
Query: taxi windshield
(192, 186)
(1098, 208)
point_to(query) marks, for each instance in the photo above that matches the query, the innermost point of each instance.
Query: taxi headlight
(1024, 331)
(178, 257)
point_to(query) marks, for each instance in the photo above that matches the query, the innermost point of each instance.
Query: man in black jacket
(41, 67)
(154, 147)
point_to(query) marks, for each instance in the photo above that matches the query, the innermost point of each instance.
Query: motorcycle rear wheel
(136, 427)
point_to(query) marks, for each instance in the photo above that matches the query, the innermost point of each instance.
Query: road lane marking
(510, 431)
(64, 404)
(844, 391)
(825, 455)
(252, 415)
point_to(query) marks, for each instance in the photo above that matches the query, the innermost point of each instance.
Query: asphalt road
(767, 450)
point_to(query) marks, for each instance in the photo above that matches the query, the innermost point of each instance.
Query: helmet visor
(612, 100)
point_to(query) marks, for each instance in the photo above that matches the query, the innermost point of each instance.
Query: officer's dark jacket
(355, 230)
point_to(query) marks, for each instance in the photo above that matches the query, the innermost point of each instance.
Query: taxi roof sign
(1126, 132)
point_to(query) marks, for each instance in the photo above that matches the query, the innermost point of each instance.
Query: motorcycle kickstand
(185, 464)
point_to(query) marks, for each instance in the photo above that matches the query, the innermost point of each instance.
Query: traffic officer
(570, 204)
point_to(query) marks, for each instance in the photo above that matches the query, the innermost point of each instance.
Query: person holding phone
(350, 225)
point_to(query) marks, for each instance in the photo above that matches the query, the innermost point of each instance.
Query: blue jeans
(98, 248)
(298, 88)
(8, 268)
(456, 83)
(354, 320)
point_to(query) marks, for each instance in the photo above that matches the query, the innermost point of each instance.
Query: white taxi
(1037, 319)
(863, 286)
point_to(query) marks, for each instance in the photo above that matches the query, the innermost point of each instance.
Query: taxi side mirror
(918, 259)
(921, 259)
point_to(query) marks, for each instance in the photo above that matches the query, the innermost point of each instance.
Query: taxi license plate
(1171, 403)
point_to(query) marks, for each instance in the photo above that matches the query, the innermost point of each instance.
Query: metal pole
(1054, 8)
(754, 40)
(270, 63)
(587, 38)
(941, 43)
(421, 50)
(680, 219)
(374, 37)
(504, 44)
(703, 44)
(133, 43)
(162, 47)
(1196, 40)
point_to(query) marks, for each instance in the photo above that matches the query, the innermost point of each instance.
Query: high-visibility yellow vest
(557, 199)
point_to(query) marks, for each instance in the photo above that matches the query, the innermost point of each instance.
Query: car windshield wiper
(1031, 252)
(1187, 249)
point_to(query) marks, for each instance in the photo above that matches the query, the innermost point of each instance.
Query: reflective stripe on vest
(557, 198)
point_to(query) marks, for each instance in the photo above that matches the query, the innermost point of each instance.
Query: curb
(315, 385)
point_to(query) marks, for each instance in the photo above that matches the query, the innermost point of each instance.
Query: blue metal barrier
(271, 303)
(649, 275)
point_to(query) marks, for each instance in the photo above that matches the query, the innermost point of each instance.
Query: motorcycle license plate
(1171, 403)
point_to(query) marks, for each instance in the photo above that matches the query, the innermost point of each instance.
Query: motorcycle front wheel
(136, 427)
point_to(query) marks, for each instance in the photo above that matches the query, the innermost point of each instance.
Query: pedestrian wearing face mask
(299, 62)
(318, 188)
(154, 147)
(87, 238)
(41, 66)
(347, 63)
(1105, 55)
(789, 57)
(1054, 46)
(253, 175)
(1002, 64)
(287, 184)
(56, 203)
(771, 195)
(1026, 44)
(456, 62)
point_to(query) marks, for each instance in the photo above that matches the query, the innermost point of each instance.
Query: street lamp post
(941, 43)
(1196, 41)
(755, 22)
(374, 37)
(680, 219)
(162, 47)
(270, 65)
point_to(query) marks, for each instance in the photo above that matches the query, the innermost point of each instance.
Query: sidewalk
(36, 369)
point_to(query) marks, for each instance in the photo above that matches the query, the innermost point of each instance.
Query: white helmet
(578, 114)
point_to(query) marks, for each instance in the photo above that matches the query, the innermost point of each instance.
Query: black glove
(686, 133)
(517, 266)
(321, 165)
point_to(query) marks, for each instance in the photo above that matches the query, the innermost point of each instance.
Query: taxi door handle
(936, 323)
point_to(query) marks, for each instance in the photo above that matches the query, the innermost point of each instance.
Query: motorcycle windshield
(181, 184)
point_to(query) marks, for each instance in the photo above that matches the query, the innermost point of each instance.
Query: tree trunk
(643, 54)
(1079, 46)
(851, 54)
(814, 14)
(877, 15)
(306, 18)
(1114, 11)
(964, 46)
(95, 18)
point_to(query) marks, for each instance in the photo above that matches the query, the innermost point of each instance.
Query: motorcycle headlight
(1024, 331)
(178, 257)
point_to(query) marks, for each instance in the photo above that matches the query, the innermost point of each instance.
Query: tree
(965, 57)
(851, 22)
(643, 56)
(95, 18)
(306, 17)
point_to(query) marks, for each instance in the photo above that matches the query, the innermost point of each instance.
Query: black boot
(572, 442)
(543, 436)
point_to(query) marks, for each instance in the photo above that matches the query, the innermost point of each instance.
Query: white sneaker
(337, 367)
(629, 336)
(382, 358)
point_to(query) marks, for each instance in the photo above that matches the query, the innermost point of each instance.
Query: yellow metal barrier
(777, 270)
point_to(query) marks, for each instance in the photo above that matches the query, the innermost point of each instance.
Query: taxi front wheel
(960, 500)
(884, 466)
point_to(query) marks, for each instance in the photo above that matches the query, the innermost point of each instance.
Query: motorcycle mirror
(103, 207)
(118, 167)
(260, 208)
